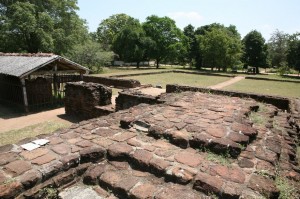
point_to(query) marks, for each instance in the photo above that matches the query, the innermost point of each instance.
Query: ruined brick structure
(115, 82)
(164, 151)
(87, 100)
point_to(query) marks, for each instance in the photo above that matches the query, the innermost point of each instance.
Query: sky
(264, 16)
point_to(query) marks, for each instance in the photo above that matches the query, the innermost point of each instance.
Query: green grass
(284, 89)
(287, 190)
(14, 136)
(108, 71)
(178, 78)
(223, 159)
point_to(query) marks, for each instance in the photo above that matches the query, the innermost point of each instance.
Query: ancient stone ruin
(190, 145)
(88, 100)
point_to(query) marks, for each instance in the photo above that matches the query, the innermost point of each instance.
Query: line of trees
(54, 26)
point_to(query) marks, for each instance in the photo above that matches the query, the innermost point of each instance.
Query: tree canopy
(164, 35)
(110, 27)
(131, 43)
(40, 26)
(220, 47)
(255, 50)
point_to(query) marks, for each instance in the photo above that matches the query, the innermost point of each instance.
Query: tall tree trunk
(138, 65)
(157, 63)
(256, 70)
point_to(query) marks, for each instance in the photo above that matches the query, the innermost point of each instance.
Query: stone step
(125, 182)
(185, 166)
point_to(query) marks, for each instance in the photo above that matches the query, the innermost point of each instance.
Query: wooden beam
(24, 95)
(56, 72)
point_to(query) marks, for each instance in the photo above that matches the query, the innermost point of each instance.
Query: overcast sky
(263, 15)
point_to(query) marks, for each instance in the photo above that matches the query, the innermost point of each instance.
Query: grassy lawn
(178, 78)
(285, 89)
(14, 136)
(108, 71)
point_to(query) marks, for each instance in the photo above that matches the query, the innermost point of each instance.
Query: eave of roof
(20, 65)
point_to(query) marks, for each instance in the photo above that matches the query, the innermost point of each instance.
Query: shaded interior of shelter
(34, 82)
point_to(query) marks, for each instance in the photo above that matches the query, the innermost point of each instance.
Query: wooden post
(55, 80)
(25, 95)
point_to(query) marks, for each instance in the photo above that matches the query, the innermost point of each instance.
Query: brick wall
(85, 99)
(280, 102)
(130, 98)
(118, 83)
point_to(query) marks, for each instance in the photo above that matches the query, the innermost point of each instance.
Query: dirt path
(227, 83)
(18, 121)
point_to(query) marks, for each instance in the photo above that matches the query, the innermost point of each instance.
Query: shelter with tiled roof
(36, 80)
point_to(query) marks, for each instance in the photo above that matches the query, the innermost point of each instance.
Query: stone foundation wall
(115, 82)
(128, 99)
(83, 99)
(279, 102)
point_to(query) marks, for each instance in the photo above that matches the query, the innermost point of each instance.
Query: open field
(285, 89)
(108, 71)
(178, 78)
(14, 136)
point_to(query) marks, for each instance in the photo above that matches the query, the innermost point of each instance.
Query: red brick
(217, 132)
(264, 186)
(182, 175)
(126, 183)
(84, 144)
(239, 138)
(30, 178)
(245, 163)
(6, 158)
(17, 167)
(189, 159)
(103, 142)
(123, 136)
(69, 161)
(266, 155)
(30, 155)
(61, 149)
(245, 129)
(232, 174)
(143, 191)
(69, 135)
(10, 190)
(207, 183)
(110, 178)
(134, 142)
(119, 150)
(3, 178)
(92, 154)
(159, 164)
(44, 159)
(177, 191)
(142, 157)
(55, 140)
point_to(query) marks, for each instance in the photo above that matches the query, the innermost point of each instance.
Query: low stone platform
(193, 145)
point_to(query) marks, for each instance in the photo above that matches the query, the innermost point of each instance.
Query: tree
(278, 46)
(293, 52)
(110, 27)
(40, 26)
(91, 55)
(130, 43)
(201, 31)
(220, 48)
(192, 45)
(255, 51)
(164, 35)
